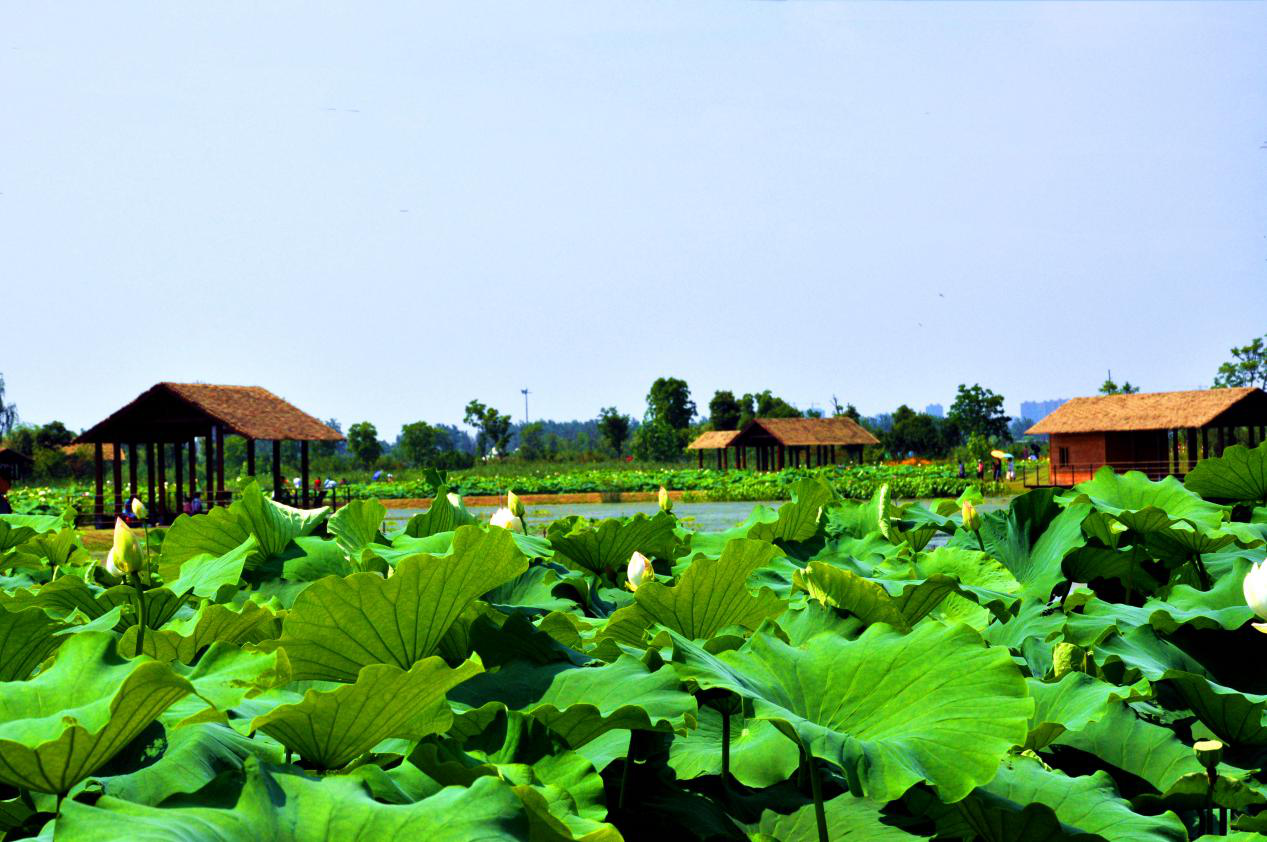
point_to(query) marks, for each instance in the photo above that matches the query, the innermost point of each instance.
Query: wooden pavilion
(169, 418)
(716, 440)
(1159, 433)
(776, 442)
(14, 464)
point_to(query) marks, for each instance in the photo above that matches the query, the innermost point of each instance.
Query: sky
(383, 211)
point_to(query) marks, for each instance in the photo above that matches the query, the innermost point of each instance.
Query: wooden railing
(1047, 475)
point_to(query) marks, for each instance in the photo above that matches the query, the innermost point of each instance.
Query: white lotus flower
(506, 519)
(455, 499)
(640, 571)
(1255, 587)
(138, 509)
(111, 567)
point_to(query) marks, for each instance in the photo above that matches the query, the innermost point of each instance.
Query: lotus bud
(640, 571)
(665, 501)
(506, 519)
(1209, 753)
(111, 567)
(455, 499)
(126, 552)
(1255, 588)
(971, 520)
(515, 505)
(139, 510)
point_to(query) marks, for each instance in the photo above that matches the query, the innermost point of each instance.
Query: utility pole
(525, 394)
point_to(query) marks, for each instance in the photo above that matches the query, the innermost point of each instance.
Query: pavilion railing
(333, 497)
(1047, 475)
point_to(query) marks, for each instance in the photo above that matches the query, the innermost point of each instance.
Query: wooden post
(209, 460)
(725, 457)
(180, 477)
(99, 502)
(1222, 441)
(1174, 452)
(277, 469)
(250, 457)
(193, 467)
(162, 479)
(1192, 449)
(700, 454)
(220, 466)
(1205, 442)
(780, 457)
(149, 479)
(118, 478)
(303, 469)
(132, 469)
(833, 454)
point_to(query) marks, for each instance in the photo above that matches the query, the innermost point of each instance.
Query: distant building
(936, 410)
(1036, 411)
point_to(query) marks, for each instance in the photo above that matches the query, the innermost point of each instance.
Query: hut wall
(1144, 449)
(1086, 451)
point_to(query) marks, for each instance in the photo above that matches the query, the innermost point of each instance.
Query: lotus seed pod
(1209, 753)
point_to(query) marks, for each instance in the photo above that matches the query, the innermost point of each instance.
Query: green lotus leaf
(58, 549)
(1031, 538)
(276, 806)
(1239, 792)
(192, 757)
(222, 678)
(27, 637)
(309, 558)
(890, 709)
(760, 755)
(799, 519)
(18, 529)
(1223, 606)
(338, 625)
(62, 725)
(160, 605)
(1133, 491)
(60, 598)
(712, 543)
(799, 624)
(214, 577)
(183, 640)
(402, 546)
(582, 703)
(848, 818)
(14, 812)
(357, 525)
(215, 533)
(712, 594)
(988, 580)
(273, 523)
(331, 728)
(859, 520)
(900, 603)
(1086, 564)
(1070, 704)
(534, 591)
(1027, 801)
(1240, 474)
(1232, 716)
(443, 516)
(607, 547)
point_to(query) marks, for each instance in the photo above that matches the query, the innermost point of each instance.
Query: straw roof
(242, 410)
(713, 440)
(803, 432)
(1149, 411)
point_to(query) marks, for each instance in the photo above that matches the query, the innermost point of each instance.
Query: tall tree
(8, 412)
(363, 443)
(914, 432)
(613, 429)
(979, 410)
(53, 435)
(723, 410)
(765, 404)
(1248, 367)
(1108, 387)
(419, 444)
(670, 401)
(330, 448)
(493, 427)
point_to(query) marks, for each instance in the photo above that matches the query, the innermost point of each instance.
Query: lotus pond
(1078, 665)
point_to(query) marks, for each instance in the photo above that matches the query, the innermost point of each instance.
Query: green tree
(765, 405)
(532, 442)
(656, 441)
(419, 444)
(670, 401)
(1248, 367)
(492, 427)
(329, 448)
(22, 439)
(53, 435)
(1108, 387)
(8, 412)
(978, 410)
(363, 443)
(613, 429)
(914, 432)
(723, 410)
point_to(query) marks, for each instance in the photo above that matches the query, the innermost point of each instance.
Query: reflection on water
(701, 517)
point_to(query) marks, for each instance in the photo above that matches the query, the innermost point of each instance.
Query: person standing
(981, 469)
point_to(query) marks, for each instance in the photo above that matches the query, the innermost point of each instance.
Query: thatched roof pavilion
(773, 440)
(175, 414)
(1147, 432)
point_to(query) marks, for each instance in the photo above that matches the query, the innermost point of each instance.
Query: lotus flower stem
(725, 747)
(980, 542)
(816, 786)
(140, 612)
(624, 774)
(1202, 574)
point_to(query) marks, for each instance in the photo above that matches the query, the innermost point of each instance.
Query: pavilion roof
(1146, 411)
(242, 410)
(803, 432)
(713, 440)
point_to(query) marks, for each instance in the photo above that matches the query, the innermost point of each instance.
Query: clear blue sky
(382, 211)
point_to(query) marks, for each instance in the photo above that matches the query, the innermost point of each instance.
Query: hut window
(1064, 455)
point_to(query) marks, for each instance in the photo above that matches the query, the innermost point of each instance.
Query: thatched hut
(776, 442)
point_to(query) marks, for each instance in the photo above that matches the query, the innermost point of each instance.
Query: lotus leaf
(1239, 474)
